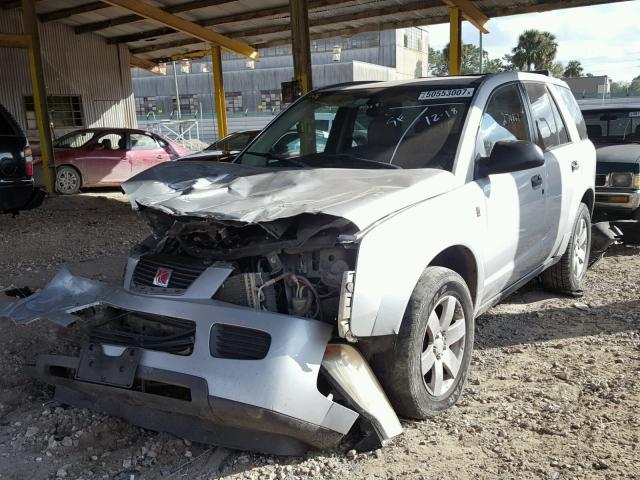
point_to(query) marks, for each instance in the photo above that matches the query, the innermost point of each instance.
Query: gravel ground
(554, 391)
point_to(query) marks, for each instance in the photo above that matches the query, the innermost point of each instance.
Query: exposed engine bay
(293, 266)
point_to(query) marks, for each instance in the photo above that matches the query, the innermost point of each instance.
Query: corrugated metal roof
(265, 22)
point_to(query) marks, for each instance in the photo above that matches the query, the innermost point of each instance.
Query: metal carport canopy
(156, 30)
(263, 23)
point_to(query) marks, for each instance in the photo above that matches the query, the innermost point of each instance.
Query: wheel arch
(589, 199)
(462, 261)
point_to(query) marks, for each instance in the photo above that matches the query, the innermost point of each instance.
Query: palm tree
(536, 50)
(574, 69)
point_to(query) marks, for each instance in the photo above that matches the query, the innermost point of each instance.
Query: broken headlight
(346, 303)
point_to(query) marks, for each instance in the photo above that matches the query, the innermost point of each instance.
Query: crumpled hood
(248, 194)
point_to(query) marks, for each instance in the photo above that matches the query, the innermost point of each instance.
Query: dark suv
(17, 191)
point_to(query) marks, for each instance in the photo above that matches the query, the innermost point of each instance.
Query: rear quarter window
(567, 98)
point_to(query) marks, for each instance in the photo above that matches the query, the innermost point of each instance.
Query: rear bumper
(19, 195)
(270, 405)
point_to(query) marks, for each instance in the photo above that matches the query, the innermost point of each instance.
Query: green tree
(536, 50)
(574, 69)
(619, 89)
(439, 61)
(556, 70)
(507, 63)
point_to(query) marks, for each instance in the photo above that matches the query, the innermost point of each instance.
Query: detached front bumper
(271, 405)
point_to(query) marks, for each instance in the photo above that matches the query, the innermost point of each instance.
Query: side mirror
(510, 156)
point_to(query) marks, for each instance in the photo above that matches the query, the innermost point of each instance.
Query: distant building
(589, 87)
(254, 88)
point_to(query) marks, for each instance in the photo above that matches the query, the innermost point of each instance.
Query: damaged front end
(224, 332)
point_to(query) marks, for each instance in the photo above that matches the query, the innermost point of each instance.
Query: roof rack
(539, 72)
(345, 84)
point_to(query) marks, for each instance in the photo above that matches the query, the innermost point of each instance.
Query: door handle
(575, 165)
(159, 157)
(536, 181)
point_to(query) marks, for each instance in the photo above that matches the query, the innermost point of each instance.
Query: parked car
(286, 295)
(225, 149)
(107, 156)
(615, 131)
(17, 190)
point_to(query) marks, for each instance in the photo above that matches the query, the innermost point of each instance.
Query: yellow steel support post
(299, 20)
(218, 90)
(455, 41)
(39, 95)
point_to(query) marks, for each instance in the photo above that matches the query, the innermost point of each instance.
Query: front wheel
(567, 276)
(424, 372)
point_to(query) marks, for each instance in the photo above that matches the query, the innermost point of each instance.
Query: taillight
(28, 162)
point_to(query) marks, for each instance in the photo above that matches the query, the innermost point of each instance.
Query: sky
(604, 38)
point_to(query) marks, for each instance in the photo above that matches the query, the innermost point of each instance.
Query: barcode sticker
(453, 93)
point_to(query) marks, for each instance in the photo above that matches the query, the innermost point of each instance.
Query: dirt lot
(554, 392)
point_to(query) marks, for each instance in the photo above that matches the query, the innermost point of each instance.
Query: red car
(107, 156)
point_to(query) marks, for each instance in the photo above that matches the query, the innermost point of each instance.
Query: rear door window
(549, 127)
(570, 103)
(74, 140)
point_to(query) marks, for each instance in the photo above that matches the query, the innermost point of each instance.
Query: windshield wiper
(280, 158)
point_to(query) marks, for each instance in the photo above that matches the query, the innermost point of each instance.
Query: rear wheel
(424, 372)
(68, 180)
(568, 274)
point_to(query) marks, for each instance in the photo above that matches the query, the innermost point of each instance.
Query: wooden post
(299, 16)
(39, 94)
(218, 90)
(455, 41)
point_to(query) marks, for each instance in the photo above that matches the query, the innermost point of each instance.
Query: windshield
(613, 126)
(398, 127)
(74, 140)
(234, 142)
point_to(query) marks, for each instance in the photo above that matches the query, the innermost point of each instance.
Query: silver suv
(332, 275)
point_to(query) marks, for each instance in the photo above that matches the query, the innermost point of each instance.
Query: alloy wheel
(67, 181)
(580, 248)
(443, 346)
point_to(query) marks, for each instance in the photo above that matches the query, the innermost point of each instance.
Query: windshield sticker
(634, 114)
(453, 93)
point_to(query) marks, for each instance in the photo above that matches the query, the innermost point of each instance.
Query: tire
(418, 393)
(568, 274)
(68, 180)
